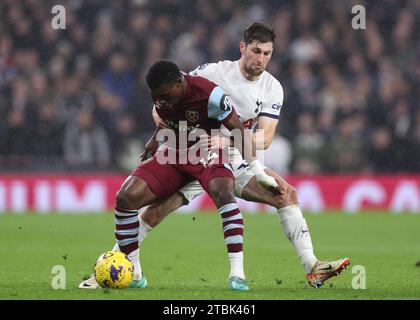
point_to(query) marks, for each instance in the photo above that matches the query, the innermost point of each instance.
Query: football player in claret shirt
(185, 102)
(258, 99)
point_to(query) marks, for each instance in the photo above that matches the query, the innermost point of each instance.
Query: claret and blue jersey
(205, 106)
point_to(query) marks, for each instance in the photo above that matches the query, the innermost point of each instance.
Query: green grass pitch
(185, 257)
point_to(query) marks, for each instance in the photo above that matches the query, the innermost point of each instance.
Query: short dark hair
(162, 72)
(260, 32)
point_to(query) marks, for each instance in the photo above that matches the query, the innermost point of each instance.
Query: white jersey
(251, 99)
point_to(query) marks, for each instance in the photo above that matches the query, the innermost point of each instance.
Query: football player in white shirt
(257, 97)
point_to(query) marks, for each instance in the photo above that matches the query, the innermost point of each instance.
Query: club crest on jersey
(259, 104)
(191, 116)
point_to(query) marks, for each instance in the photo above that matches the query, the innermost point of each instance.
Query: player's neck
(245, 73)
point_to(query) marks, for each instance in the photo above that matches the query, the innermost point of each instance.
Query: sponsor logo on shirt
(276, 106)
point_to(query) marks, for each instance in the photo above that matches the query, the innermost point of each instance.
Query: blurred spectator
(118, 79)
(325, 123)
(305, 85)
(379, 151)
(185, 50)
(344, 153)
(18, 140)
(415, 144)
(308, 146)
(48, 133)
(306, 49)
(109, 106)
(128, 146)
(85, 144)
(338, 82)
(71, 99)
(279, 155)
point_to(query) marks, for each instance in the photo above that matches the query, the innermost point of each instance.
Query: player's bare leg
(133, 194)
(295, 228)
(149, 218)
(290, 216)
(155, 213)
(221, 190)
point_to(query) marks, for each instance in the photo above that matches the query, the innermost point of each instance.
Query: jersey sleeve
(219, 106)
(272, 107)
(207, 70)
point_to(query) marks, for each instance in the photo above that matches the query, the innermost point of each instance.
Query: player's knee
(292, 191)
(290, 196)
(151, 216)
(125, 199)
(222, 196)
(121, 199)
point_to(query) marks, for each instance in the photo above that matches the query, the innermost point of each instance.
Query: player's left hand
(150, 149)
(207, 143)
(158, 120)
(269, 183)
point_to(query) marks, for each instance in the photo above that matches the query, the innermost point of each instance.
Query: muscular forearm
(225, 141)
(265, 133)
(242, 137)
(248, 146)
(261, 143)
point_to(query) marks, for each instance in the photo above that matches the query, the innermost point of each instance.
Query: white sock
(236, 264)
(144, 229)
(135, 257)
(297, 231)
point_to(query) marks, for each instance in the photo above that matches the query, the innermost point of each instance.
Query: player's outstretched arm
(153, 145)
(267, 127)
(248, 150)
(158, 120)
(219, 108)
(243, 139)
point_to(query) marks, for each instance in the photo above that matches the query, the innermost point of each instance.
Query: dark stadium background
(75, 115)
(351, 96)
(74, 100)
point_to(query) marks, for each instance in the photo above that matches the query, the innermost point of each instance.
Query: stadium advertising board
(96, 193)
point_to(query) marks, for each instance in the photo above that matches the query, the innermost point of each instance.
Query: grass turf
(185, 257)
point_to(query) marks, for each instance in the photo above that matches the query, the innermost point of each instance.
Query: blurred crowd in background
(76, 99)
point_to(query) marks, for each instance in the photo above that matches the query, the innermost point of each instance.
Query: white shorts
(241, 171)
